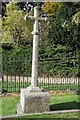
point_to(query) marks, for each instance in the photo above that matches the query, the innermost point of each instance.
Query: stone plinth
(33, 102)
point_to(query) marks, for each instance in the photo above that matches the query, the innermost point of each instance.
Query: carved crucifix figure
(35, 33)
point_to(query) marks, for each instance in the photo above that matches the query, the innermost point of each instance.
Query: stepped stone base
(33, 101)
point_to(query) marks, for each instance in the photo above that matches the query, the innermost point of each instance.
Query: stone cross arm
(35, 18)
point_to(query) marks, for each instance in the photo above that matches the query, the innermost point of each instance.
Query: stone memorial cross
(35, 33)
(31, 102)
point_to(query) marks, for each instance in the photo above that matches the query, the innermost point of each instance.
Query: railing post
(15, 71)
(44, 68)
(65, 68)
(48, 71)
(57, 72)
(52, 70)
(74, 69)
(61, 72)
(19, 72)
(2, 74)
(7, 71)
(69, 66)
(27, 70)
(79, 70)
(23, 71)
(11, 73)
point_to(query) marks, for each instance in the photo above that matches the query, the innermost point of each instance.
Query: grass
(57, 102)
(65, 116)
(9, 105)
(12, 87)
(64, 102)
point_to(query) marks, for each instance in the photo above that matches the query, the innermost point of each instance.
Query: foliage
(0, 24)
(61, 34)
(57, 55)
(62, 30)
(4, 8)
(14, 27)
(51, 8)
(76, 18)
(44, 33)
(18, 55)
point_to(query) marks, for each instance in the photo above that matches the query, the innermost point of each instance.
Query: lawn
(65, 116)
(57, 102)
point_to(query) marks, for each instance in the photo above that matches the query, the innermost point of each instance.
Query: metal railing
(56, 71)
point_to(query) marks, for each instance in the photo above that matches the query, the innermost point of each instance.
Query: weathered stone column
(34, 80)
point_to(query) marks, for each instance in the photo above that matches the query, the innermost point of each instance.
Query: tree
(14, 27)
(51, 8)
(0, 26)
(76, 18)
(62, 30)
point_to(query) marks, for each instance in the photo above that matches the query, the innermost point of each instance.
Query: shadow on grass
(65, 106)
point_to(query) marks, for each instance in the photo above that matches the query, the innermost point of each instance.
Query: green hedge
(62, 63)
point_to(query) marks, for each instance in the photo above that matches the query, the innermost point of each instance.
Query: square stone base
(33, 102)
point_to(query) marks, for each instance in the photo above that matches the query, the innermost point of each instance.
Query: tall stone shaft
(34, 80)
